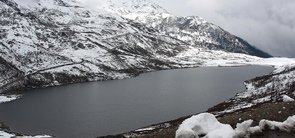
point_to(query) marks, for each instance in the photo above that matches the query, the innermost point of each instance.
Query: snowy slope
(53, 42)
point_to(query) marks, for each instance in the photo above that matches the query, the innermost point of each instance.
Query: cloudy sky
(267, 24)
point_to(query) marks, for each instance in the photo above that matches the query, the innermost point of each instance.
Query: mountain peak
(133, 6)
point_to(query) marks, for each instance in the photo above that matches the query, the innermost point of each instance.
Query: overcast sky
(267, 24)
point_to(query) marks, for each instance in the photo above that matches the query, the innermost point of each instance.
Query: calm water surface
(109, 107)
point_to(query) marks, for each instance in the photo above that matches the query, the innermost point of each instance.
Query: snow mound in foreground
(202, 124)
(286, 98)
(288, 125)
(207, 124)
(5, 135)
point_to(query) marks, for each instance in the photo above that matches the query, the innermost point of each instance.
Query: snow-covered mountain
(135, 7)
(53, 42)
(192, 30)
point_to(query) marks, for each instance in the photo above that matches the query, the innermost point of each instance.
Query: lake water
(110, 107)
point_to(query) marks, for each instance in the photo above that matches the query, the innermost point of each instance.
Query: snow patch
(8, 135)
(145, 129)
(8, 98)
(277, 61)
(286, 98)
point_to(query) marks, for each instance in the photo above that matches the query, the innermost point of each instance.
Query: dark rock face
(53, 42)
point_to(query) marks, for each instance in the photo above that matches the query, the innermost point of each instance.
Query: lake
(110, 107)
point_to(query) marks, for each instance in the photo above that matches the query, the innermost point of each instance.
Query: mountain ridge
(185, 28)
(55, 42)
